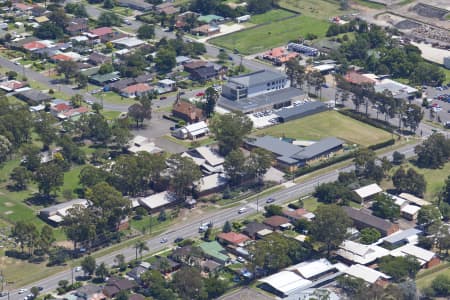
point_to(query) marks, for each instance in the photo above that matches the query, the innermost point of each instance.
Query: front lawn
(327, 124)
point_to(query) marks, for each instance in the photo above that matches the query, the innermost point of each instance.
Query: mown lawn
(425, 277)
(114, 98)
(327, 124)
(321, 9)
(275, 34)
(270, 16)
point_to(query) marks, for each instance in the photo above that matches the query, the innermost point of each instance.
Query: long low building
(296, 112)
(158, 201)
(284, 283)
(55, 214)
(363, 220)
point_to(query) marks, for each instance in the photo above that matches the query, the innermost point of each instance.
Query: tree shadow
(38, 199)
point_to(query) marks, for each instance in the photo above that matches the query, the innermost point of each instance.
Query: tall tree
(67, 68)
(21, 176)
(49, 177)
(433, 152)
(44, 128)
(234, 166)
(146, 32)
(140, 247)
(413, 116)
(230, 130)
(165, 60)
(6, 148)
(212, 96)
(330, 226)
(384, 207)
(183, 172)
(139, 113)
(258, 163)
(88, 265)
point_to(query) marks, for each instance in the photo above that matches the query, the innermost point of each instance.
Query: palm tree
(140, 247)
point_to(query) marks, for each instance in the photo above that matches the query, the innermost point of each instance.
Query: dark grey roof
(301, 110)
(261, 101)
(136, 3)
(253, 227)
(34, 95)
(258, 77)
(88, 290)
(318, 148)
(274, 145)
(368, 219)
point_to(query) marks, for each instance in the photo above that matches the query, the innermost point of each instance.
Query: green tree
(212, 96)
(68, 68)
(188, 282)
(230, 130)
(49, 178)
(428, 215)
(370, 235)
(45, 130)
(120, 262)
(76, 100)
(183, 172)
(162, 216)
(214, 286)
(258, 163)
(109, 19)
(399, 267)
(102, 271)
(433, 152)
(35, 291)
(139, 113)
(90, 176)
(330, 226)
(234, 166)
(259, 6)
(398, 158)
(5, 148)
(409, 182)
(46, 238)
(413, 116)
(140, 247)
(21, 176)
(146, 32)
(88, 265)
(441, 286)
(81, 80)
(273, 210)
(226, 227)
(108, 4)
(384, 207)
(48, 30)
(165, 60)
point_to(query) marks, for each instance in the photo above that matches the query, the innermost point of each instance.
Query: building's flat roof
(360, 253)
(410, 209)
(402, 235)
(261, 101)
(258, 77)
(210, 182)
(286, 282)
(64, 205)
(368, 190)
(301, 110)
(398, 201)
(396, 88)
(211, 157)
(365, 273)
(196, 126)
(309, 269)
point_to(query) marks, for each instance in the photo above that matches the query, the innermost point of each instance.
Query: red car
(201, 94)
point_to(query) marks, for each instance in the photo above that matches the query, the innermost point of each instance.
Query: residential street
(218, 218)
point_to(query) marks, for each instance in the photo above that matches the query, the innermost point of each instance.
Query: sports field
(271, 16)
(275, 34)
(321, 9)
(326, 124)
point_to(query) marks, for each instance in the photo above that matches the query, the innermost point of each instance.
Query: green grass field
(425, 277)
(321, 9)
(270, 16)
(326, 124)
(369, 4)
(275, 34)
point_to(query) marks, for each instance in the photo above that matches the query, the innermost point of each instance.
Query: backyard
(274, 34)
(326, 124)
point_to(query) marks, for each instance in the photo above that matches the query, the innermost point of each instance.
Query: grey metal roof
(261, 101)
(318, 148)
(274, 145)
(62, 205)
(258, 77)
(301, 110)
(398, 237)
(368, 219)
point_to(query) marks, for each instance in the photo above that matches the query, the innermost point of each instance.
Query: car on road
(178, 239)
(78, 269)
(17, 63)
(163, 240)
(90, 102)
(128, 22)
(21, 291)
(270, 200)
(240, 259)
(200, 94)
(204, 226)
(163, 98)
(242, 210)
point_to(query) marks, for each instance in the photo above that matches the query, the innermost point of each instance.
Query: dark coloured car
(178, 239)
(270, 200)
(163, 98)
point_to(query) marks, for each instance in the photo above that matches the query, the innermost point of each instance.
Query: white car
(240, 259)
(78, 269)
(21, 291)
(126, 21)
(242, 210)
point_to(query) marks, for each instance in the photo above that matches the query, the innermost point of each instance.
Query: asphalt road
(189, 229)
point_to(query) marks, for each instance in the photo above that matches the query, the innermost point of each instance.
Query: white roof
(129, 42)
(422, 255)
(325, 67)
(148, 147)
(397, 200)
(365, 273)
(402, 235)
(360, 253)
(410, 209)
(138, 140)
(198, 161)
(210, 182)
(286, 282)
(414, 199)
(56, 218)
(309, 269)
(211, 157)
(393, 86)
(157, 200)
(79, 38)
(195, 128)
(368, 190)
(167, 81)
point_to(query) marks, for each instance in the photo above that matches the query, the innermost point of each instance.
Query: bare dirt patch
(9, 204)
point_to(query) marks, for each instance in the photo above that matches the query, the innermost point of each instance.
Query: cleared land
(321, 9)
(326, 124)
(270, 16)
(258, 39)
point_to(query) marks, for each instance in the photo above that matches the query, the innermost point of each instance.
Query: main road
(189, 229)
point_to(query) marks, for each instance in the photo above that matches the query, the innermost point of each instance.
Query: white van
(242, 210)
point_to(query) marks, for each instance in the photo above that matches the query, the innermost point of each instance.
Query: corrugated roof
(365, 273)
(257, 78)
(421, 254)
(319, 148)
(301, 110)
(309, 269)
(286, 282)
(368, 190)
(210, 156)
(414, 199)
(274, 145)
(368, 219)
(402, 235)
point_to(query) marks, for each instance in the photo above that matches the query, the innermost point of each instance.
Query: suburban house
(33, 97)
(127, 42)
(399, 238)
(166, 85)
(277, 223)
(99, 59)
(314, 270)
(103, 79)
(200, 70)
(367, 274)
(206, 30)
(368, 192)
(136, 90)
(210, 184)
(192, 131)
(11, 85)
(215, 251)
(353, 252)
(158, 201)
(279, 55)
(188, 112)
(297, 214)
(167, 8)
(284, 283)
(89, 292)
(253, 229)
(142, 144)
(290, 156)
(357, 78)
(55, 214)
(363, 219)
(410, 212)
(137, 271)
(77, 26)
(232, 238)
(115, 285)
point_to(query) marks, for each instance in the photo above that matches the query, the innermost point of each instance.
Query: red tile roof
(137, 88)
(61, 57)
(61, 107)
(276, 221)
(357, 78)
(233, 237)
(101, 31)
(34, 45)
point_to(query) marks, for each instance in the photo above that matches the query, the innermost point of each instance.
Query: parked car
(163, 98)
(163, 240)
(270, 200)
(78, 269)
(21, 291)
(179, 239)
(126, 21)
(240, 259)
(200, 94)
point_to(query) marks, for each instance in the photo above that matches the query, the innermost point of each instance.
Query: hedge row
(382, 145)
(362, 118)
